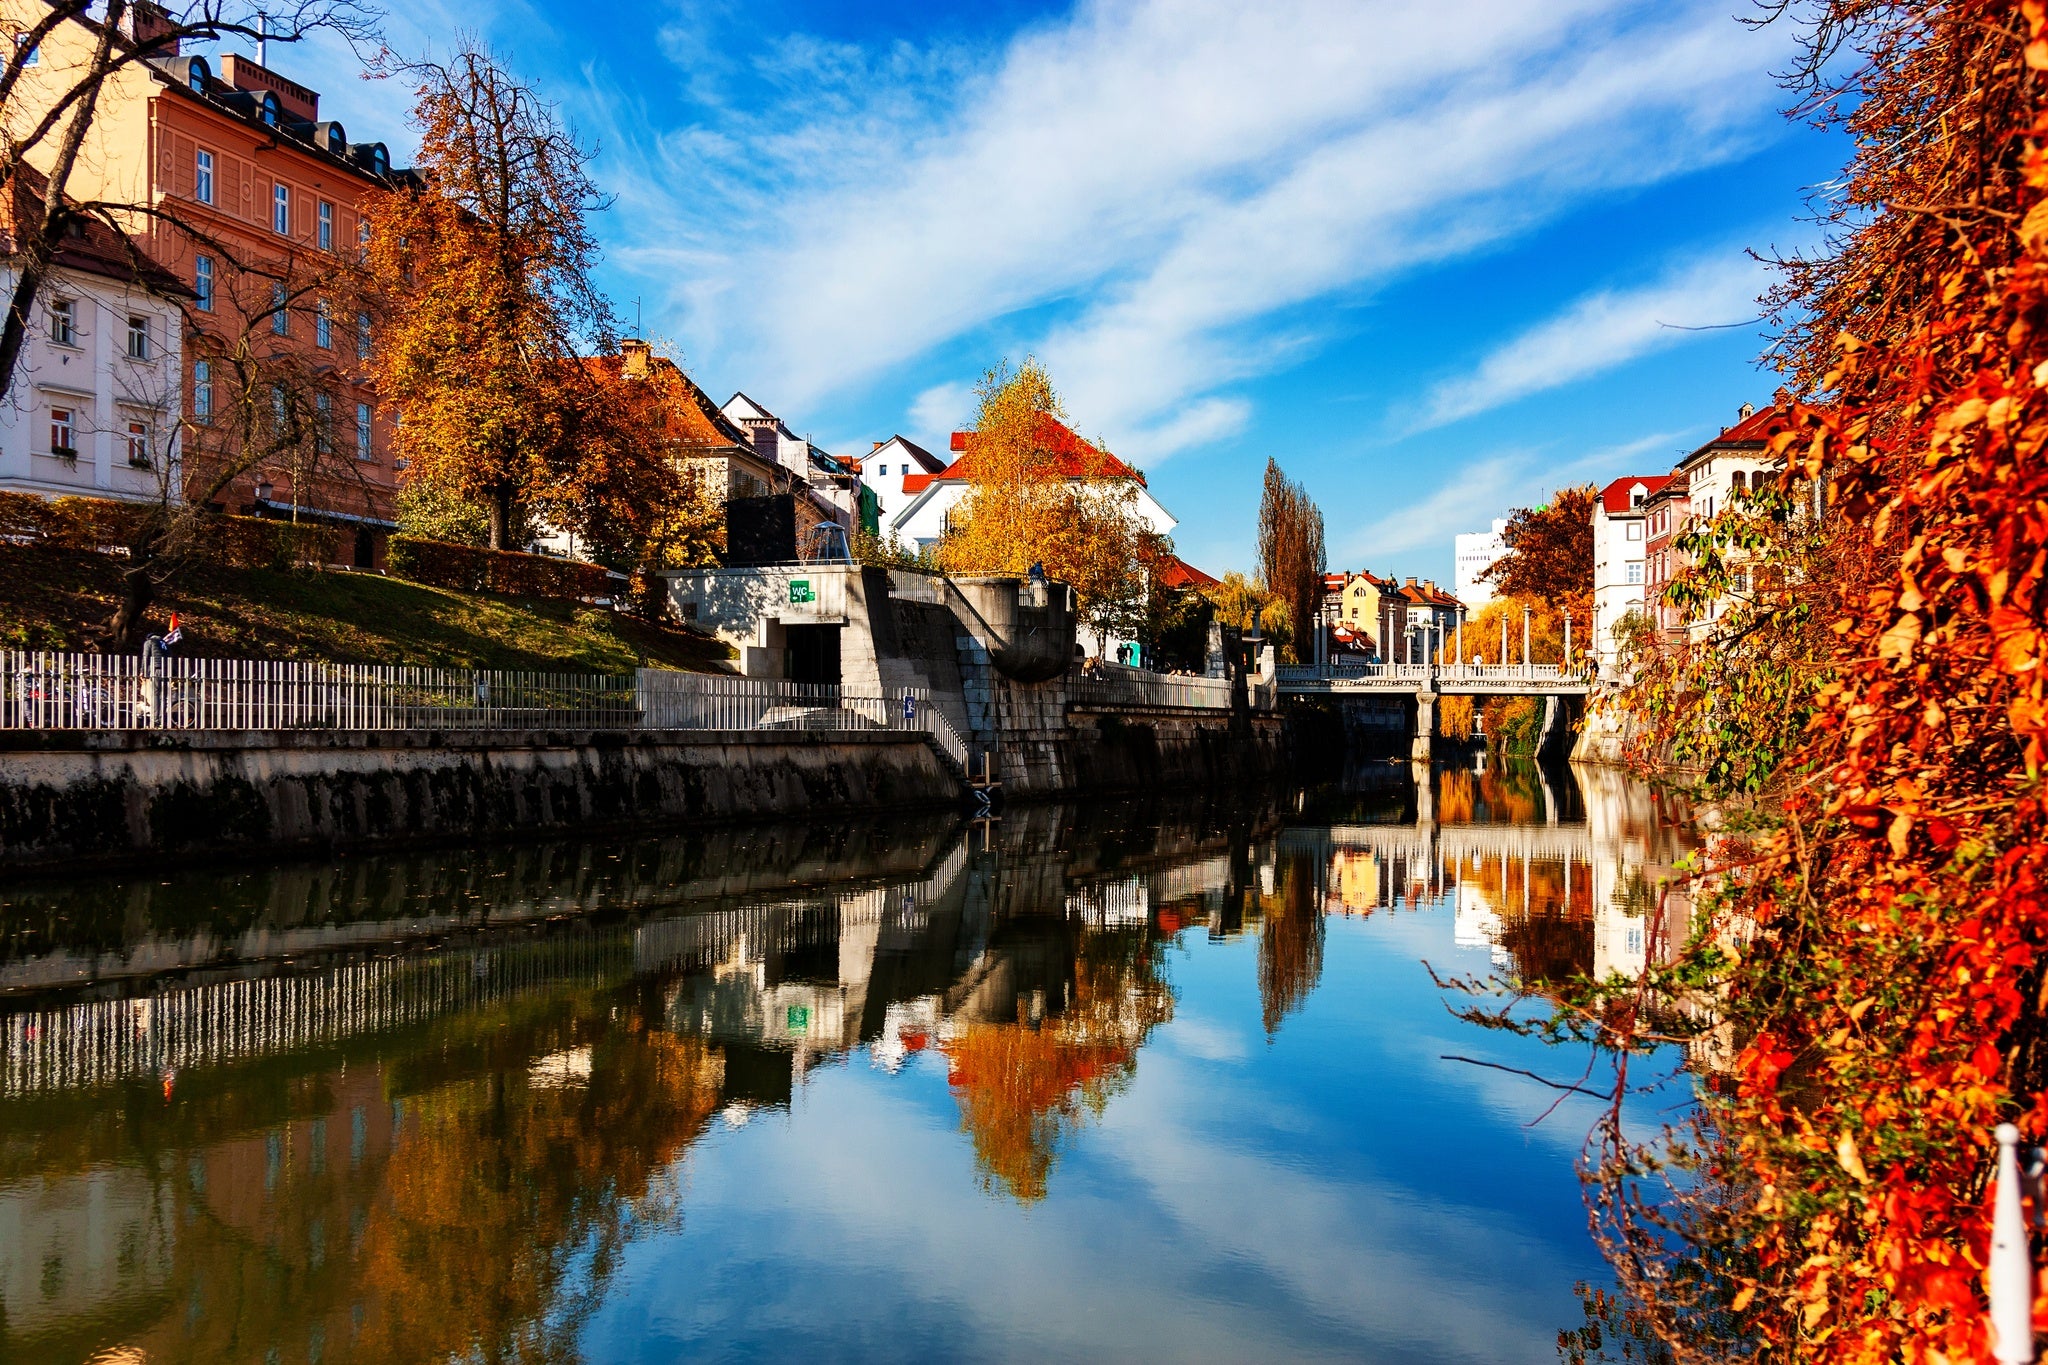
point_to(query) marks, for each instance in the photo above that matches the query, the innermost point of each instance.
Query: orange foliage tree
(1876, 953)
(484, 268)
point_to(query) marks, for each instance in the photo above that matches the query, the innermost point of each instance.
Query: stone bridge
(1425, 683)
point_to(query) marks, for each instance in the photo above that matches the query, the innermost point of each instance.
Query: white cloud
(1491, 486)
(1603, 330)
(938, 412)
(1162, 197)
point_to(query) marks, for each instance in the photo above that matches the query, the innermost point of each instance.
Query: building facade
(1620, 551)
(1476, 552)
(94, 409)
(259, 207)
(890, 466)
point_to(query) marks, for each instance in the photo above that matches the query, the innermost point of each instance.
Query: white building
(1476, 552)
(922, 520)
(95, 403)
(889, 468)
(830, 482)
(1618, 544)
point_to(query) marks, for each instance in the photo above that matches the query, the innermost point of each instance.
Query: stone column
(1425, 726)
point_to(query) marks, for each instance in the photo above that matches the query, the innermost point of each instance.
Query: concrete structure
(1475, 552)
(997, 657)
(95, 404)
(242, 156)
(1619, 559)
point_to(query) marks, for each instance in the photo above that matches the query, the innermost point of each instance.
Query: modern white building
(1619, 540)
(1476, 551)
(889, 468)
(94, 408)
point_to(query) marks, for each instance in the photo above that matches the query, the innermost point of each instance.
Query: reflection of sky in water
(1339, 1193)
(1334, 1189)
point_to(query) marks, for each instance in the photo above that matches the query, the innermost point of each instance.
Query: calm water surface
(1154, 1082)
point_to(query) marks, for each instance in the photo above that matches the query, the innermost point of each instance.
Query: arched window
(195, 75)
(270, 109)
(1737, 480)
(380, 160)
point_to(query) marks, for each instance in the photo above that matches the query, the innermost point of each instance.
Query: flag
(173, 635)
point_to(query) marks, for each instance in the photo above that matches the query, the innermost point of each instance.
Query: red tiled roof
(1178, 573)
(698, 421)
(1615, 497)
(1754, 430)
(1072, 456)
(96, 247)
(917, 483)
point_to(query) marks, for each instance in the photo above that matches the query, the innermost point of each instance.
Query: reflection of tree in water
(1023, 1087)
(1509, 793)
(508, 1188)
(1546, 914)
(1290, 939)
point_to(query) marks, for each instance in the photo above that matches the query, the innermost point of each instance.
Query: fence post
(2012, 1264)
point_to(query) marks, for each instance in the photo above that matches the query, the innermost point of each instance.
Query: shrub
(258, 543)
(440, 564)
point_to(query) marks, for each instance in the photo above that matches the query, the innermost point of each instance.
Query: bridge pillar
(1425, 726)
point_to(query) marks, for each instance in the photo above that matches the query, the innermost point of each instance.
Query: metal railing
(41, 691)
(1119, 686)
(1411, 675)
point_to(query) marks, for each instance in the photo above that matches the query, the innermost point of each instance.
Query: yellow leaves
(2034, 227)
(1742, 1299)
(1859, 1009)
(1900, 834)
(1850, 1159)
(2037, 46)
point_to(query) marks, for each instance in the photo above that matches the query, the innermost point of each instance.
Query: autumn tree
(52, 78)
(484, 267)
(1040, 495)
(1292, 560)
(1548, 554)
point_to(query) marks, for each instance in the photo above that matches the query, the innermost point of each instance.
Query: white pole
(2012, 1267)
(1525, 642)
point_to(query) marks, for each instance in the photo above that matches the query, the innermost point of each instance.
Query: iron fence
(1119, 686)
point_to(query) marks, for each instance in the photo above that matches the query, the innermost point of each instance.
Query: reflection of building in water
(1637, 845)
(1475, 923)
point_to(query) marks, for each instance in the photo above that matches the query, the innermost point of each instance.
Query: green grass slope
(63, 599)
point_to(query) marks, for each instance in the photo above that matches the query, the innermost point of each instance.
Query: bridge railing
(1117, 685)
(1414, 675)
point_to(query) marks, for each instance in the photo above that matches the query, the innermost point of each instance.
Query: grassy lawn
(63, 599)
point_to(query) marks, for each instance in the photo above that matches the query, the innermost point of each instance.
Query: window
(362, 431)
(380, 163)
(278, 407)
(1634, 532)
(323, 423)
(138, 338)
(280, 315)
(1635, 573)
(196, 78)
(269, 114)
(202, 283)
(63, 433)
(281, 209)
(362, 336)
(202, 389)
(326, 226)
(1737, 480)
(323, 327)
(64, 322)
(202, 183)
(362, 239)
(138, 444)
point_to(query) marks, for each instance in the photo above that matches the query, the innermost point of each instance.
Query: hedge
(100, 523)
(442, 564)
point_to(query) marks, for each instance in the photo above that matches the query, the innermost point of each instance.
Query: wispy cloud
(1490, 487)
(1161, 196)
(1601, 331)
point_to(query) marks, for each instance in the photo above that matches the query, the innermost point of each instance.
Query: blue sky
(1435, 258)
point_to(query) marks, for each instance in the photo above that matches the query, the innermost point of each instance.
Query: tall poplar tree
(1292, 558)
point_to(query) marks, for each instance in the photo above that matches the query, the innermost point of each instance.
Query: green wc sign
(800, 591)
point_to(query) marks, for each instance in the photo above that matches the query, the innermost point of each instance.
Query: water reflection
(483, 1106)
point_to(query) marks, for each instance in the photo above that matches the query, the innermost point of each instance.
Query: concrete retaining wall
(72, 799)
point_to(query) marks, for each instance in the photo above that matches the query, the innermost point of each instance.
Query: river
(1157, 1080)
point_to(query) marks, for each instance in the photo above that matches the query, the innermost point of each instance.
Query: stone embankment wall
(72, 799)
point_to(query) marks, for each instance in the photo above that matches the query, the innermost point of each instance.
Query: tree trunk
(501, 517)
(138, 591)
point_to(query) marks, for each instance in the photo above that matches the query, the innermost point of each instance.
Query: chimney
(875, 447)
(633, 354)
(145, 21)
(1411, 580)
(1429, 585)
